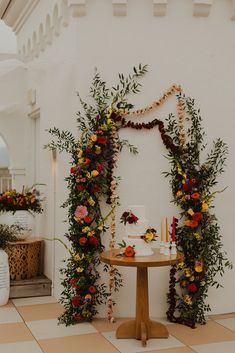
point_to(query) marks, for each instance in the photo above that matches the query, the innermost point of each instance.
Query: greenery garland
(91, 179)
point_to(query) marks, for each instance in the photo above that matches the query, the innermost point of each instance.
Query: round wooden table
(141, 328)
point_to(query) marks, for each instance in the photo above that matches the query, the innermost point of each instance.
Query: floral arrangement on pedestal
(91, 180)
(27, 200)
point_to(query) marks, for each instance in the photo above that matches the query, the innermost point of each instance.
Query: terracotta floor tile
(40, 311)
(209, 333)
(102, 325)
(173, 350)
(15, 332)
(222, 316)
(90, 343)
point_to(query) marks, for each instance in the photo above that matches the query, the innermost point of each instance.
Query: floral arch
(91, 180)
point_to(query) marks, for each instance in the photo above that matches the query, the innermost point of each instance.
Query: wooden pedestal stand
(141, 328)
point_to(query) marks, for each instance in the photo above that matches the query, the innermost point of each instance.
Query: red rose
(102, 140)
(185, 186)
(75, 301)
(92, 289)
(74, 282)
(88, 150)
(193, 182)
(195, 196)
(73, 169)
(94, 241)
(87, 161)
(197, 216)
(82, 241)
(95, 188)
(99, 167)
(88, 219)
(193, 224)
(80, 187)
(192, 288)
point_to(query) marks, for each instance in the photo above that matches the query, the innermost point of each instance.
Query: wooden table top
(156, 260)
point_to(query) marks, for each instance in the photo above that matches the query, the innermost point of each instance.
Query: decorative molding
(119, 7)
(159, 7)
(17, 171)
(34, 114)
(233, 10)
(201, 8)
(78, 7)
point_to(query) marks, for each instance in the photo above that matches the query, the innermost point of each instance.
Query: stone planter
(22, 218)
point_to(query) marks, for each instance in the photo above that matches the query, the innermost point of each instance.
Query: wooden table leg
(142, 328)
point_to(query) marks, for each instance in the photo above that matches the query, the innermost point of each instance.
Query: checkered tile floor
(30, 326)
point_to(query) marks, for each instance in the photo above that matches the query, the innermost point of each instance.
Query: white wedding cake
(136, 230)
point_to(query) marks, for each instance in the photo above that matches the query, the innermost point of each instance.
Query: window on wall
(5, 177)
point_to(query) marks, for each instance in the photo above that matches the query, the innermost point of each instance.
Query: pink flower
(81, 212)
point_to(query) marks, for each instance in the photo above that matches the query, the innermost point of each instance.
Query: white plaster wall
(194, 52)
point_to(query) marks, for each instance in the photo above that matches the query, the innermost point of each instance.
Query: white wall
(179, 48)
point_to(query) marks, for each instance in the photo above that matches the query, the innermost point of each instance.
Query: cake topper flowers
(150, 235)
(129, 217)
(127, 251)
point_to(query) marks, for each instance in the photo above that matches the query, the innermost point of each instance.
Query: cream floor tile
(8, 305)
(162, 320)
(40, 311)
(15, 332)
(43, 329)
(20, 347)
(102, 324)
(90, 343)
(9, 314)
(210, 333)
(134, 346)
(229, 323)
(34, 301)
(221, 347)
(173, 350)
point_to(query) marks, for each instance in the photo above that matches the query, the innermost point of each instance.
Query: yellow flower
(188, 300)
(79, 269)
(86, 229)
(192, 278)
(94, 173)
(93, 137)
(90, 234)
(179, 193)
(101, 227)
(81, 160)
(198, 236)
(97, 149)
(91, 201)
(181, 265)
(188, 272)
(104, 127)
(88, 296)
(77, 257)
(109, 121)
(88, 175)
(80, 153)
(149, 236)
(204, 207)
(190, 211)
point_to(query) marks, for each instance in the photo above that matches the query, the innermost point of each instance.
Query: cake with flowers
(136, 226)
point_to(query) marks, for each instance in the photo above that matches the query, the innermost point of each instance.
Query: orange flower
(198, 267)
(129, 251)
(92, 289)
(187, 222)
(82, 241)
(195, 196)
(193, 223)
(204, 207)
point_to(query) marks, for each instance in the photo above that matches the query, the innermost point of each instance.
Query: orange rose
(129, 251)
(82, 241)
(195, 196)
(198, 267)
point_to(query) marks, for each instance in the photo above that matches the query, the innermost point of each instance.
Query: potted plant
(7, 234)
(19, 207)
